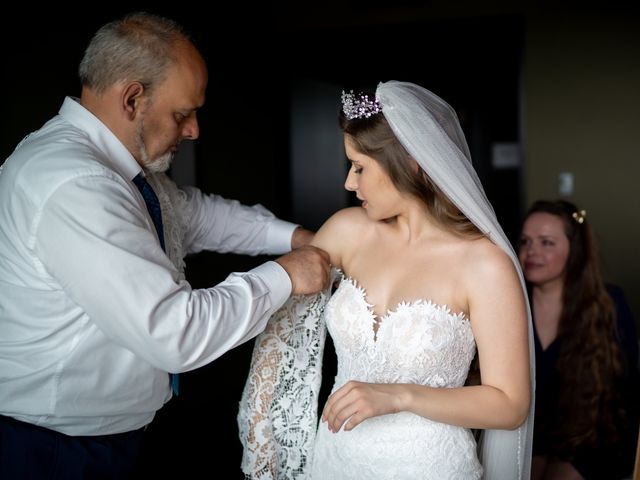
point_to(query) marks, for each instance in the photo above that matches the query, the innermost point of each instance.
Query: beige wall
(582, 115)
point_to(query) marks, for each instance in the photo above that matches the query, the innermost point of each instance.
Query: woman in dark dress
(587, 381)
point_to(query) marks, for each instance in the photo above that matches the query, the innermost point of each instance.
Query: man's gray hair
(139, 47)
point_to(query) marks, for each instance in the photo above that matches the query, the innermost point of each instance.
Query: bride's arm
(340, 233)
(497, 311)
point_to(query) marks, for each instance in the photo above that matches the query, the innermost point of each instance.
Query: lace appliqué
(173, 202)
(278, 410)
(417, 342)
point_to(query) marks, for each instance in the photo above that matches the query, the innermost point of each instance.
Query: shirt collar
(99, 134)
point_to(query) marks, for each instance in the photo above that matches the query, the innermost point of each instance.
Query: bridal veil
(278, 411)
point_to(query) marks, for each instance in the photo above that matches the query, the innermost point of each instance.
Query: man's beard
(158, 165)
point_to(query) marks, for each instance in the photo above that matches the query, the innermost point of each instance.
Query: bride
(426, 277)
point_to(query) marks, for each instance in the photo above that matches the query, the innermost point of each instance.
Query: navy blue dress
(608, 462)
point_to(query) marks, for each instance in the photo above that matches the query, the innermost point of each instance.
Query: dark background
(256, 57)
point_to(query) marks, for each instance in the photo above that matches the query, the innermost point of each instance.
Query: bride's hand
(354, 402)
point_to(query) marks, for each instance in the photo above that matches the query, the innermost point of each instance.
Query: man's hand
(301, 237)
(308, 268)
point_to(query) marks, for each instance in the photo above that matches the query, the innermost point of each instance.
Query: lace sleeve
(277, 418)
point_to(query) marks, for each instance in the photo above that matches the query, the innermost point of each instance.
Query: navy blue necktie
(153, 206)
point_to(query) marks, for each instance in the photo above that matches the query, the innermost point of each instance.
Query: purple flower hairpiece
(359, 106)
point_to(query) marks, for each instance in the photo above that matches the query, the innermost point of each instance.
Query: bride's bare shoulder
(344, 222)
(487, 264)
(341, 232)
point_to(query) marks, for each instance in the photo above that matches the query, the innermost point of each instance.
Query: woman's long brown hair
(591, 361)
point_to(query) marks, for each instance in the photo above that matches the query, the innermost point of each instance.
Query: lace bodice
(173, 205)
(421, 343)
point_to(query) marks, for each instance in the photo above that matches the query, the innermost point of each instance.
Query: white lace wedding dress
(420, 343)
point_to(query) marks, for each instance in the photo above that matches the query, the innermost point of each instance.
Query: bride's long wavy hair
(374, 137)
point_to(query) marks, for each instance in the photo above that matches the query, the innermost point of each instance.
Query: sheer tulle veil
(277, 416)
(429, 130)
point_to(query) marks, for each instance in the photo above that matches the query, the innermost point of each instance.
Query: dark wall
(243, 152)
(473, 63)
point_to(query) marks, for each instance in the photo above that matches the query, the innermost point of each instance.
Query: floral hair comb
(579, 216)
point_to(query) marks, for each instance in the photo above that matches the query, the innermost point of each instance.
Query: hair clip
(579, 216)
(359, 106)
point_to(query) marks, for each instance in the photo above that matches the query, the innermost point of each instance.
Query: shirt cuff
(279, 236)
(278, 281)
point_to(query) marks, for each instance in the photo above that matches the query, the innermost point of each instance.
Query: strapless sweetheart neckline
(402, 304)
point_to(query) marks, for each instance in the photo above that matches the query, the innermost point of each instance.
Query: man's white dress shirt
(93, 314)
